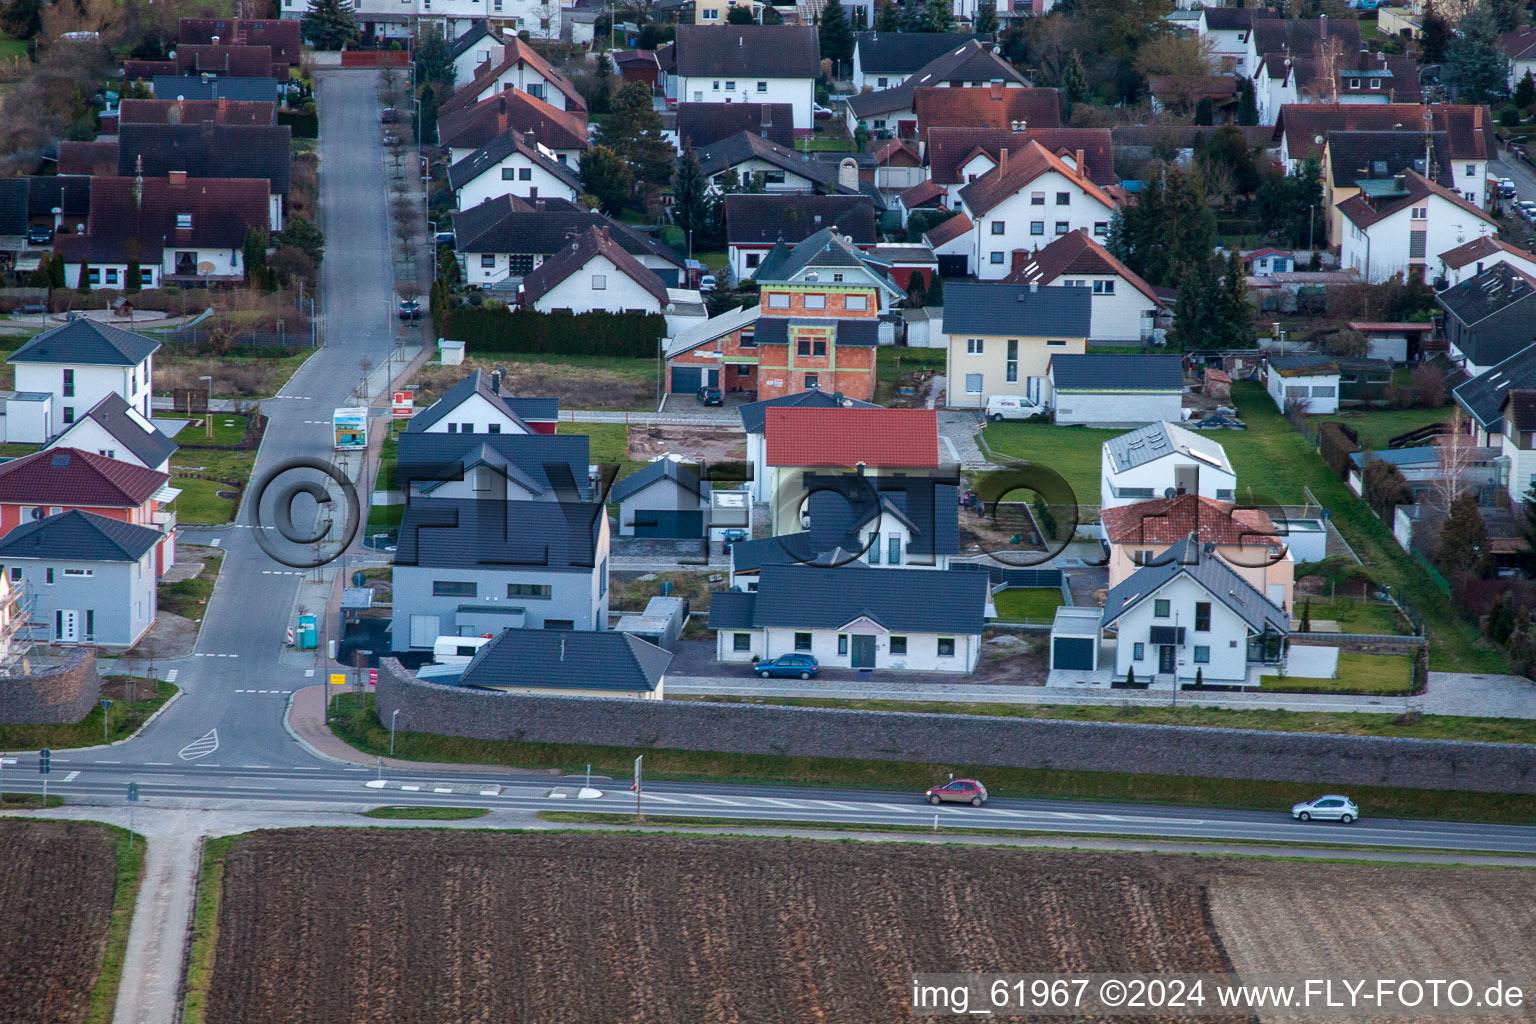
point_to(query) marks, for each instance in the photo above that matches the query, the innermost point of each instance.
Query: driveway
(957, 439)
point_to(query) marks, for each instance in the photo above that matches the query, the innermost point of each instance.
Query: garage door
(669, 523)
(424, 630)
(1075, 652)
(687, 379)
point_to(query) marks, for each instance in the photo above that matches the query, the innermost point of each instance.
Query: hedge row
(1336, 443)
(304, 125)
(525, 331)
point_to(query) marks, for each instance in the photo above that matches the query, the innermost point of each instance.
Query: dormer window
(1354, 83)
(1375, 83)
(184, 222)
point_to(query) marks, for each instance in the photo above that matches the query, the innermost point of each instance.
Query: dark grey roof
(150, 447)
(733, 609)
(567, 659)
(1356, 155)
(214, 87)
(863, 332)
(510, 224)
(764, 219)
(479, 29)
(1219, 580)
(1117, 372)
(207, 150)
(748, 51)
(970, 62)
(89, 342)
(826, 248)
(13, 206)
(476, 383)
(744, 146)
(465, 533)
(703, 124)
(79, 537)
(901, 53)
(71, 193)
(1153, 441)
(497, 150)
(662, 469)
(557, 461)
(1482, 295)
(930, 511)
(754, 414)
(973, 307)
(901, 600)
(1483, 396)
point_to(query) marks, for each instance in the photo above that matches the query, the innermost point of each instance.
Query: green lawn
(102, 1002)
(1377, 426)
(16, 451)
(228, 429)
(433, 813)
(127, 717)
(385, 518)
(825, 143)
(1028, 603)
(1358, 673)
(205, 929)
(609, 443)
(188, 598)
(12, 49)
(389, 454)
(199, 501)
(1273, 464)
(1357, 616)
(715, 261)
(894, 366)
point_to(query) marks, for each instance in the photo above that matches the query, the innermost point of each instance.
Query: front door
(66, 623)
(1165, 658)
(863, 651)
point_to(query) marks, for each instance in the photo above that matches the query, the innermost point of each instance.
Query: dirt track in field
(56, 886)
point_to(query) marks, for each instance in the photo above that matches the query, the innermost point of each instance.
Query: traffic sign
(44, 759)
(373, 677)
(338, 679)
(133, 792)
(402, 405)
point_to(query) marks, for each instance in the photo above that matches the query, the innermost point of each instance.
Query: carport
(1075, 639)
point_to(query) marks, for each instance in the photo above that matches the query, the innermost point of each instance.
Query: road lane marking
(255, 766)
(200, 747)
(298, 769)
(783, 803)
(653, 798)
(409, 789)
(442, 789)
(719, 800)
(308, 673)
(72, 776)
(158, 764)
(109, 762)
(170, 676)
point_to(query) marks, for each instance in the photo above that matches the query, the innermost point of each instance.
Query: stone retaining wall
(61, 693)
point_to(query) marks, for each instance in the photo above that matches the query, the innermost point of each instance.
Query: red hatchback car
(960, 791)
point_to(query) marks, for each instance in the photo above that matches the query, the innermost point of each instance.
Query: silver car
(1327, 808)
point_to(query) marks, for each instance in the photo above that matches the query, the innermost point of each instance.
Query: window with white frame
(856, 302)
(778, 300)
(599, 282)
(975, 346)
(1037, 227)
(815, 302)
(973, 383)
(1104, 287)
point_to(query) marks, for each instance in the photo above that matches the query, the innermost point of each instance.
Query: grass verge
(607, 443)
(28, 801)
(355, 723)
(102, 1003)
(228, 429)
(189, 598)
(127, 717)
(434, 813)
(205, 929)
(201, 474)
(1358, 673)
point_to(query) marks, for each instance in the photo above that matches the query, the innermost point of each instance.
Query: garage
(687, 380)
(1075, 639)
(668, 523)
(664, 500)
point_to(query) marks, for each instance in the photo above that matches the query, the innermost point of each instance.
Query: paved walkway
(957, 436)
(151, 981)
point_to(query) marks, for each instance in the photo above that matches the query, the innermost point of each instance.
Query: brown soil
(693, 443)
(577, 386)
(384, 926)
(56, 901)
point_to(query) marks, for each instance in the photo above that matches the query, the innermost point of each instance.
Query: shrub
(1337, 443)
(490, 330)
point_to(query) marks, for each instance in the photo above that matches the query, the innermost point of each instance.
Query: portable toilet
(309, 634)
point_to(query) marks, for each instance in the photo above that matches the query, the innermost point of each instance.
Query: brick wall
(955, 739)
(62, 693)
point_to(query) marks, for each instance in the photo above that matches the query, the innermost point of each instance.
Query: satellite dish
(39, 514)
(1170, 492)
(359, 579)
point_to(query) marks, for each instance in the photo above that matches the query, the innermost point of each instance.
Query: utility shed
(1075, 639)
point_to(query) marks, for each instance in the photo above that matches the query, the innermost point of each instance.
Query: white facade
(1219, 654)
(519, 175)
(540, 19)
(475, 415)
(1398, 243)
(522, 76)
(1456, 275)
(1229, 46)
(1121, 311)
(77, 389)
(1152, 480)
(775, 178)
(1048, 207)
(569, 157)
(1319, 391)
(465, 65)
(28, 420)
(799, 93)
(1114, 408)
(598, 285)
(90, 436)
(834, 648)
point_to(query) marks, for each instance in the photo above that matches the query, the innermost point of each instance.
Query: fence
(255, 339)
(375, 58)
(1021, 578)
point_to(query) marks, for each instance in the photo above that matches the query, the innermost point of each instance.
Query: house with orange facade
(817, 325)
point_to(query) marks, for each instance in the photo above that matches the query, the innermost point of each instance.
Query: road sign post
(133, 798)
(106, 715)
(639, 814)
(44, 766)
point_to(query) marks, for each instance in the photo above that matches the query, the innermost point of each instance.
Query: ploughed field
(57, 881)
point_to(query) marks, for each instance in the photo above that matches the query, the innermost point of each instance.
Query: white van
(1011, 407)
(456, 650)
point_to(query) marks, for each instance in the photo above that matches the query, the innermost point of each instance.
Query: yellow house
(1001, 337)
(1245, 539)
(712, 12)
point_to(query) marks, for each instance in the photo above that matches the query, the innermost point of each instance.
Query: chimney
(1082, 168)
(177, 178)
(1002, 161)
(562, 648)
(496, 380)
(1399, 181)
(997, 90)
(501, 123)
(223, 105)
(173, 113)
(1034, 286)
(848, 174)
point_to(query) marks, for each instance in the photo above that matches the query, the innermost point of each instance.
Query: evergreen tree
(771, 16)
(1292, 204)
(254, 252)
(135, 278)
(1170, 227)
(836, 35)
(56, 271)
(302, 234)
(1525, 92)
(1205, 111)
(986, 17)
(886, 18)
(1074, 81)
(329, 24)
(428, 115)
(1528, 531)
(1306, 615)
(1508, 15)
(1196, 310)
(1501, 618)
(938, 16)
(633, 131)
(1434, 35)
(916, 290)
(605, 176)
(434, 58)
(1247, 104)
(1464, 552)
(739, 16)
(22, 19)
(1475, 65)
(690, 209)
(935, 294)
(1236, 309)
(85, 278)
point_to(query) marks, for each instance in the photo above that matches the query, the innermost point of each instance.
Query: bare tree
(1454, 453)
(408, 288)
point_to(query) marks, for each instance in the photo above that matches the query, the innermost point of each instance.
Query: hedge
(1337, 443)
(304, 125)
(492, 330)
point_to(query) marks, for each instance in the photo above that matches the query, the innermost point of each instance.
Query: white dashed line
(72, 776)
(170, 676)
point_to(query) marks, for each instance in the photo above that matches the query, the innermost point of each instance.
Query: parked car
(1010, 407)
(1527, 207)
(788, 666)
(820, 112)
(410, 309)
(960, 791)
(1327, 808)
(445, 238)
(1507, 188)
(711, 396)
(391, 139)
(39, 234)
(707, 283)
(389, 116)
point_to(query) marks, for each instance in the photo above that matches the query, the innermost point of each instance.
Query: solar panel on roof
(59, 461)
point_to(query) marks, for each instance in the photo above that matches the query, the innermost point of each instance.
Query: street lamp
(208, 412)
(392, 731)
(106, 714)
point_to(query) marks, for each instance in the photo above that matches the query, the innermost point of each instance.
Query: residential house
(1246, 539)
(951, 242)
(1391, 227)
(1517, 443)
(665, 499)
(549, 663)
(754, 416)
(1398, 342)
(515, 64)
(466, 567)
(1161, 460)
(1114, 389)
(1520, 50)
(81, 362)
(892, 111)
(995, 107)
(704, 124)
(817, 326)
(888, 166)
(1030, 198)
(1482, 397)
(1479, 469)
(89, 159)
(220, 111)
(1267, 261)
(750, 64)
(86, 578)
(1470, 259)
(884, 60)
(808, 449)
(1490, 316)
(474, 47)
(1002, 338)
(776, 168)
(283, 37)
(1273, 41)
(1193, 618)
(855, 618)
(1183, 93)
(478, 405)
(511, 164)
(593, 273)
(177, 230)
(1359, 77)
(1310, 382)
(1227, 29)
(197, 151)
(638, 66)
(958, 156)
(562, 132)
(754, 224)
(505, 239)
(58, 201)
(44, 484)
(117, 430)
(1135, 144)
(1124, 306)
(212, 88)
(494, 466)
(215, 60)
(1353, 158)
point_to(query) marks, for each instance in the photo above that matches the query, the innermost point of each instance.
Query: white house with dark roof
(568, 664)
(1163, 458)
(478, 405)
(117, 430)
(511, 164)
(81, 362)
(593, 273)
(1309, 379)
(1469, 259)
(883, 60)
(665, 499)
(504, 239)
(1100, 389)
(1393, 227)
(892, 110)
(749, 64)
(1124, 305)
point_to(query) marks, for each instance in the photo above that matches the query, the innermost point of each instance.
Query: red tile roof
(1075, 254)
(985, 107)
(1478, 248)
(473, 126)
(1170, 520)
(1005, 181)
(69, 476)
(947, 231)
(950, 148)
(516, 52)
(1468, 128)
(800, 436)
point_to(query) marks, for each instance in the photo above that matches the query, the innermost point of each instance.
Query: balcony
(165, 521)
